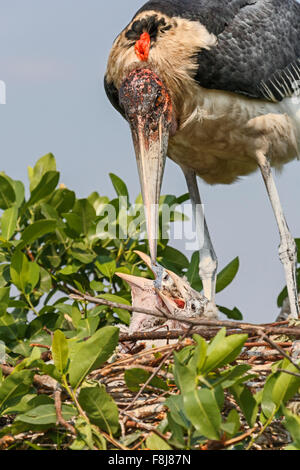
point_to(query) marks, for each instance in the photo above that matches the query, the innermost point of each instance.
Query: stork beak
(148, 108)
(151, 152)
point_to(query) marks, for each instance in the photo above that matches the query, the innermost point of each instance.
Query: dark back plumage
(258, 50)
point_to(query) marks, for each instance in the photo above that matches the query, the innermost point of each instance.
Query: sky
(53, 58)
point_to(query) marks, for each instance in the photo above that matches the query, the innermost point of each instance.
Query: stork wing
(258, 50)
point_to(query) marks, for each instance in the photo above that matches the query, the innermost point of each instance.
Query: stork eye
(166, 28)
(166, 277)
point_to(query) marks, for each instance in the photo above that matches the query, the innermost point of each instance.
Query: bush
(52, 244)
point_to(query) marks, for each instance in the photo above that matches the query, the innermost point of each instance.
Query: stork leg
(208, 260)
(287, 248)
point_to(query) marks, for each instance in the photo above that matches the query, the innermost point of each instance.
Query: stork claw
(157, 269)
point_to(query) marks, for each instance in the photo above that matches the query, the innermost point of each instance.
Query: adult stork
(213, 84)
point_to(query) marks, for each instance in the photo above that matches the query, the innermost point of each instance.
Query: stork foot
(211, 311)
(287, 249)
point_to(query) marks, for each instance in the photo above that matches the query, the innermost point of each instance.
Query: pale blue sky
(53, 57)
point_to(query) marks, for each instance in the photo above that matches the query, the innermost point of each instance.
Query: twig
(237, 439)
(139, 443)
(279, 349)
(289, 372)
(38, 345)
(135, 423)
(263, 344)
(58, 409)
(113, 441)
(40, 380)
(155, 373)
(106, 370)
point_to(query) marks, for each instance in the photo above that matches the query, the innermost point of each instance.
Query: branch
(168, 334)
(44, 381)
(278, 348)
(60, 419)
(246, 327)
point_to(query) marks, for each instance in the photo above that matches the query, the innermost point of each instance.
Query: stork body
(213, 84)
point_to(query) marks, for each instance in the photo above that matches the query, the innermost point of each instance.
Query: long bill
(151, 151)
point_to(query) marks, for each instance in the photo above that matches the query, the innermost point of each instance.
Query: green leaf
(45, 415)
(45, 281)
(86, 326)
(91, 354)
(154, 442)
(8, 328)
(175, 405)
(193, 272)
(233, 314)
(97, 286)
(202, 410)
(37, 230)
(63, 200)
(292, 423)
(86, 212)
(286, 385)
(175, 257)
(24, 274)
(282, 296)
(60, 351)
(136, 377)
(223, 350)
(19, 192)
(119, 185)
(4, 299)
(115, 298)
(234, 375)
(106, 266)
(232, 424)
(74, 223)
(70, 269)
(100, 408)
(185, 377)
(199, 357)
(228, 274)
(15, 385)
(44, 188)
(246, 402)
(82, 255)
(7, 192)
(85, 435)
(27, 402)
(4, 274)
(184, 198)
(42, 166)
(9, 222)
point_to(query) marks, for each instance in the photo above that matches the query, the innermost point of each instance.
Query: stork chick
(168, 293)
(213, 84)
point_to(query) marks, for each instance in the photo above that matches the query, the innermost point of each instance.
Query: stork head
(148, 109)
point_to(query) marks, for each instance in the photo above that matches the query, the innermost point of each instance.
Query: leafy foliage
(205, 375)
(51, 244)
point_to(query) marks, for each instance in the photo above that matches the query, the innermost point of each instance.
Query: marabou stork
(214, 85)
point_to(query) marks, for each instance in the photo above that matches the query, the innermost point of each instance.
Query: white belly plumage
(220, 133)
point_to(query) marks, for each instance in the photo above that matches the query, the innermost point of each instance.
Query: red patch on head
(142, 47)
